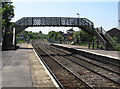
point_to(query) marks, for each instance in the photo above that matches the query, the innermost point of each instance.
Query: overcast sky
(103, 14)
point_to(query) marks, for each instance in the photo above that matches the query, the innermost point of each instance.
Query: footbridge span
(82, 23)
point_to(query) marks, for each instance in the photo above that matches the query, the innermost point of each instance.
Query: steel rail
(91, 70)
(59, 83)
(88, 61)
(114, 64)
(89, 86)
(93, 63)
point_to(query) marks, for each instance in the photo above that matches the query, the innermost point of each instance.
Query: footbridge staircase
(105, 39)
(83, 23)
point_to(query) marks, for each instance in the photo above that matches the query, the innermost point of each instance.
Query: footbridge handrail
(101, 30)
(100, 38)
(54, 21)
(82, 23)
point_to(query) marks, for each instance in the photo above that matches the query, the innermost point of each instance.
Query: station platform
(22, 68)
(109, 54)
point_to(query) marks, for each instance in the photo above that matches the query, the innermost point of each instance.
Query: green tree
(7, 14)
(54, 35)
(50, 35)
(82, 35)
(31, 35)
(115, 39)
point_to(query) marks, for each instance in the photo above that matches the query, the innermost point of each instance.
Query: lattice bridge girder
(55, 22)
(82, 23)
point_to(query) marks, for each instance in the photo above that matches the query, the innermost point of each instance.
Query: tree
(0, 27)
(7, 14)
(82, 35)
(115, 39)
(54, 35)
(50, 35)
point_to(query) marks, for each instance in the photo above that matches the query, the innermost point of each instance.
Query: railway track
(112, 68)
(65, 78)
(103, 61)
(103, 73)
(113, 62)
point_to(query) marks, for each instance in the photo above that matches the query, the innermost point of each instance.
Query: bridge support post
(93, 42)
(89, 42)
(97, 44)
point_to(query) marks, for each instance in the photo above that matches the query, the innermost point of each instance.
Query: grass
(45, 40)
(21, 42)
(118, 48)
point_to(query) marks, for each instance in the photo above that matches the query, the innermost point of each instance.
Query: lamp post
(78, 24)
(78, 15)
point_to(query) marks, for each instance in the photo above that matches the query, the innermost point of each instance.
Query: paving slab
(15, 68)
(22, 69)
(0, 79)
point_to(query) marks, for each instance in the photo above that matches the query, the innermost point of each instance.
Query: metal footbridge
(83, 23)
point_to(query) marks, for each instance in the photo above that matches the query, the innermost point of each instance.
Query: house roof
(114, 32)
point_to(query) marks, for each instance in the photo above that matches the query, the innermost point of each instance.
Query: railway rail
(110, 77)
(65, 78)
(103, 59)
(112, 68)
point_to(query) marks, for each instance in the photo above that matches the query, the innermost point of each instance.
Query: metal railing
(108, 37)
(54, 21)
(100, 38)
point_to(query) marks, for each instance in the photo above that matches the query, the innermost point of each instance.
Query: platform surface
(17, 69)
(39, 74)
(111, 54)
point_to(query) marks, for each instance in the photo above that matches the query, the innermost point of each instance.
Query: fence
(81, 43)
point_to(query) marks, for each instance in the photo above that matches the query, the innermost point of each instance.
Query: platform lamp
(78, 15)
(78, 21)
